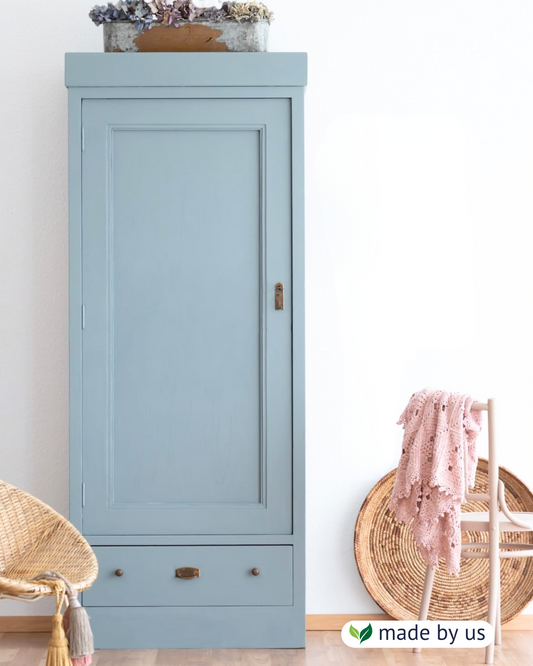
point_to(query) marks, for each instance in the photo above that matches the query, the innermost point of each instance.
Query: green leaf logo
(354, 632)
(365, 634)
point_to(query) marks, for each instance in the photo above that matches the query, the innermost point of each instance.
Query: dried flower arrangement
(144, 13)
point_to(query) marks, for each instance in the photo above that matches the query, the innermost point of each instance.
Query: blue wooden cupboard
(187, 345)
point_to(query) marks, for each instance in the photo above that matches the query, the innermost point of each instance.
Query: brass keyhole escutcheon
(187, 573)
(280, 296)
(119, 573)
(255, 572)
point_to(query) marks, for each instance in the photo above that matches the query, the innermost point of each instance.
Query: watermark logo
(417, 634)
(363, 636)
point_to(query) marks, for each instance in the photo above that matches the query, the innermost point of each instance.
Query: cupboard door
(187, 413)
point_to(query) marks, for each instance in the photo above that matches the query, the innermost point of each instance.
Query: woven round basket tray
(393, 570)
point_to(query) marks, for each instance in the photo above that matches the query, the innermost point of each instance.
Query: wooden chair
(34, 539)
(497, 519)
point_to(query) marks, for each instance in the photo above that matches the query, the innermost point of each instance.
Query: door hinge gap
(83, 138)
(83, 316)
(82, 494)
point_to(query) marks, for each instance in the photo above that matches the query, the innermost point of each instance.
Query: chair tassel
(83, 661)
(80, 636)
(58, 645)
(75, 627)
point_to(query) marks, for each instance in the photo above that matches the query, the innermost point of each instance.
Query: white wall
(419, 205)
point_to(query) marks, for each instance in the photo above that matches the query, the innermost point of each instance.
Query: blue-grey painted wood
(200, 627)
(226, 579)
(130, 92)
(192, 540)
(187, 365)
(224, 79)
(298, 357)
(185, 69)
(75, 304)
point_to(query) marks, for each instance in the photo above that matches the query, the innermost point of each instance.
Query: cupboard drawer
(226, 579)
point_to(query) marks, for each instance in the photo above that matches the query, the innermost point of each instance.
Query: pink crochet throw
(430, 480)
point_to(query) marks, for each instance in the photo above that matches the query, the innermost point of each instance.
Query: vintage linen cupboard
(187, 345)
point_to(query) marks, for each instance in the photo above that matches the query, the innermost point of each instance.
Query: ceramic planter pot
(199, 36)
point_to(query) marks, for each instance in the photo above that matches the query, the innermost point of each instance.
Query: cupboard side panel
(75, 305)
(298, 356)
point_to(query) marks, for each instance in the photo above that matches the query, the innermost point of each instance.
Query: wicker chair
(33, 539)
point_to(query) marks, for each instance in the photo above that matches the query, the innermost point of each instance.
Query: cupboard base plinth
(198, 627)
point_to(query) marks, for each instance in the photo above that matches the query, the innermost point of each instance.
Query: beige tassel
(79, 632)
(58, 645)
(76, 624)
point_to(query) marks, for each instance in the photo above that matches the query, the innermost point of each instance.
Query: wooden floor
(324, 648)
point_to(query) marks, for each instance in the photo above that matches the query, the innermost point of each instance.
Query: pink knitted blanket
(430, 481)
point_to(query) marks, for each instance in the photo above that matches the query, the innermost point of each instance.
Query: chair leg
(498, 629)
(494, 592)
(426, 597)
(494, 532)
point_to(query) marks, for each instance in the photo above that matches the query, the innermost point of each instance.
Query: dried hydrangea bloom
(208, 4)
(162, 11)
(250, 11)
(105, 14)
(174, 12)
(143, 13)
(136, 11)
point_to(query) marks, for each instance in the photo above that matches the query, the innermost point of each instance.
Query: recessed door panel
(186, 361)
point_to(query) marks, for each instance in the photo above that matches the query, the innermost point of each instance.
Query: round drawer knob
(119, 573)
(255, 572)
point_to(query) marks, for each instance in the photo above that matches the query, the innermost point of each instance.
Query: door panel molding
(213, 127)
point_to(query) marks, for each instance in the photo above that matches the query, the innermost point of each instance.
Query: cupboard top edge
(185, 69)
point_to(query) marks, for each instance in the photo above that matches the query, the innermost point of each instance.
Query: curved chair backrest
(33, 539)
(24, 520)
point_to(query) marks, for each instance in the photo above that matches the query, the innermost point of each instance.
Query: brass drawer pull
(255, 572)
(187, 573)
(119, 573)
